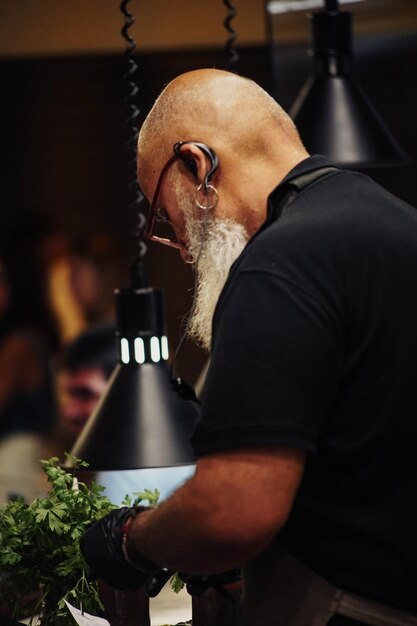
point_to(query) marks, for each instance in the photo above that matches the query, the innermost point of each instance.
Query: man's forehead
(92, 373)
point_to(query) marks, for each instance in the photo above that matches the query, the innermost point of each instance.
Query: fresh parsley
(41, 564)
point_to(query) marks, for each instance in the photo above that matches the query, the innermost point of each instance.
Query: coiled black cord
(133, 129)
(233, 56)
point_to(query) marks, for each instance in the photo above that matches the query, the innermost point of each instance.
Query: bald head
(256, 143)
(220, 109)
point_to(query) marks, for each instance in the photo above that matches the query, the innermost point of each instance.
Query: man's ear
(195, 161)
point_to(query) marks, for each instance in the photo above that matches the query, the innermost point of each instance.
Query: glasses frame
(153, 209)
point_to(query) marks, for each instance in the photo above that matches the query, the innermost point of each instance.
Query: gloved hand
(197, 584)
(156, 581)
(102, 548)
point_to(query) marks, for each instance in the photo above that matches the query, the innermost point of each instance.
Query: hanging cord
(133, 130)
(233, 56)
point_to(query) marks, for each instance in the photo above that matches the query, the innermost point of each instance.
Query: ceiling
(73, 27)
(58, 27)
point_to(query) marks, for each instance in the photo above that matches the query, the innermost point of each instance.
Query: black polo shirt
(315, 346)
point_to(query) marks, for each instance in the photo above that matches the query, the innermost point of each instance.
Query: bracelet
(131, 555)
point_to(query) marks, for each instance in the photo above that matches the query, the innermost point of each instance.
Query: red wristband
(130, 553)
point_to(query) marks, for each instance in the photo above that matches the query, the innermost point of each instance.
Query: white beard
(213, 245)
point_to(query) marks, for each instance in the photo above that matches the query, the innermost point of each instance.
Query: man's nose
(73, 408)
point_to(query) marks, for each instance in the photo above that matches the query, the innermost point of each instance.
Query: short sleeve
(276, 362)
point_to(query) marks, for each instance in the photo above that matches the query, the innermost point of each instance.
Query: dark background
(63, 136)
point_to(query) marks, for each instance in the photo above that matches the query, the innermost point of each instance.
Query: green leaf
(151, 496)
(176, 583)
(41, 514)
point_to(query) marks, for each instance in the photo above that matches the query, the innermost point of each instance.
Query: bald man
(307, 442)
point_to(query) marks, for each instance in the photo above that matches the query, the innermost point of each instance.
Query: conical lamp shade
(141, 421)
(335, 119)
(332, 114)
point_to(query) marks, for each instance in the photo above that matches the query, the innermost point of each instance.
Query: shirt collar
(305, 166)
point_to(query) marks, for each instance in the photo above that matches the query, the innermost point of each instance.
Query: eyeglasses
(158, 215)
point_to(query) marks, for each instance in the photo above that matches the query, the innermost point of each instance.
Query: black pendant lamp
(142, 420)
(332, 114)
(146, 416)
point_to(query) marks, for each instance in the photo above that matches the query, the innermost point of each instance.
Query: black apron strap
(297, 184)
(303, 180)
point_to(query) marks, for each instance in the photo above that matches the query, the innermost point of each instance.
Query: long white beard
(213, 245)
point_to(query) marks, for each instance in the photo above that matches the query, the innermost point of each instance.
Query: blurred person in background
(93, 268)
(82, 272)
(28, 339)
(84, 369)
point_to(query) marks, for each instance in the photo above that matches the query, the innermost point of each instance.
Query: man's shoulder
(345, 226)
(346, 209)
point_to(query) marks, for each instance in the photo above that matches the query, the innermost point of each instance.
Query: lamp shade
(141, 421)
(332, 114)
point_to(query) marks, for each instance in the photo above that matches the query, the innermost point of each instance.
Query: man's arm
(232, 508)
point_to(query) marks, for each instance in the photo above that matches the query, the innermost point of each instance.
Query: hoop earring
(204, 191)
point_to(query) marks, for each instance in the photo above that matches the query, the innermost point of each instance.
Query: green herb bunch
(41, 564)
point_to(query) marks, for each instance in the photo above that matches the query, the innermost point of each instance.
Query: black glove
(102, 548)
(156, 581)
(197, 584)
